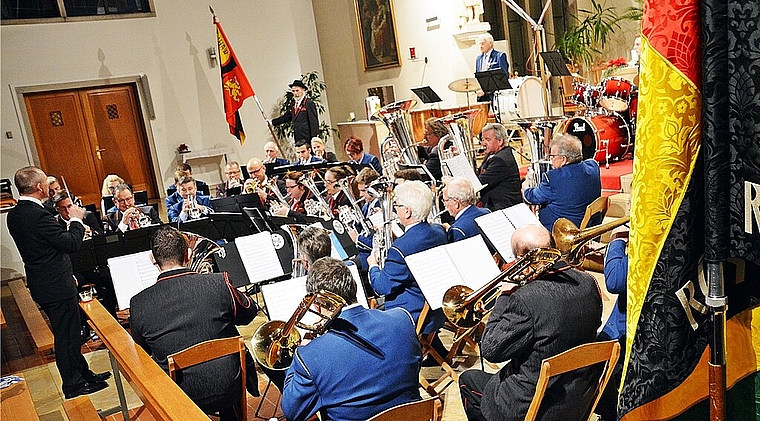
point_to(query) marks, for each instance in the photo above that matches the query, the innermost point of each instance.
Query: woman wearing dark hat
(303, 114)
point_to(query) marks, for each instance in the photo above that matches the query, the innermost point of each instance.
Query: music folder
(499, 226)
(555, 63)
(426, 94)
(466, 262)
(493, 80)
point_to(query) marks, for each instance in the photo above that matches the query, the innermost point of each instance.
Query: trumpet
(466, 308)
(353, 215)
(275, 342)
(251, 186)
(195, 210)
(325, 212)
(139, 219)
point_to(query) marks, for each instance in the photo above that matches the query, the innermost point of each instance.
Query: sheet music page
(520, 214)
(460, 167)
(499, 226)
(473, 261)
(131, 274)
(259, 257)
(361, 296)
(435, 272)
(282, 298)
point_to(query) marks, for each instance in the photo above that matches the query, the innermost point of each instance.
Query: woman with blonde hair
(110, 183)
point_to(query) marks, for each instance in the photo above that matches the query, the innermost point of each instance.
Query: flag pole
(271, 128)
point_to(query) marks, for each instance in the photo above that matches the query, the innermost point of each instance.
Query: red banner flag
(235, 85)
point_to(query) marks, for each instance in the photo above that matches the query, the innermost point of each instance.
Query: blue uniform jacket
(373, 161)
(395, 280)
(367, 362)
(464, 225)
(615, 277)
(174, 212)
(566, 192)
(496, 60)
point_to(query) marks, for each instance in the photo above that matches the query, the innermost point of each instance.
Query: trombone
(466, 308)
(275, 342)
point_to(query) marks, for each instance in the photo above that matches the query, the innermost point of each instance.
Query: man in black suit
(303, 113)
(43, 245)
(185, 308)
(499, 170)
(127, 216)
(558, 311)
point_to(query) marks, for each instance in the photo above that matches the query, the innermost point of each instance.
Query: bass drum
(524, 101)
(602, 136)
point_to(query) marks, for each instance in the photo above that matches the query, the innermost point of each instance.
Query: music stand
(493, 81)
(229, 225)
(427, 177)
(232, 264)
(426, 94)
(555, 63)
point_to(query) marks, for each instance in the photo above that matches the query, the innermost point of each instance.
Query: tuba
(461, 134)
(400, 147)
(275, 342)
(203, 248)
(466, 308)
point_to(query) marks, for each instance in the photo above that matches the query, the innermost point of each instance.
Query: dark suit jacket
(96, 226)
(329, 157)
(496, 60)
(113, 218)
(337, 372)
(501, 173)
(185, 308)
(464, 226)
(305, 121)
(395, 280)
(44, 248)
(540, 320)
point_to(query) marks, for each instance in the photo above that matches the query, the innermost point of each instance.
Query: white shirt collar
(31, 199)
(461, 212)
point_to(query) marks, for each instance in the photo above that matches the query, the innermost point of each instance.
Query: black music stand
(200, 226)
(230, 226)
(555, 63)
(426, 94)
(231, 263)
(493, 81)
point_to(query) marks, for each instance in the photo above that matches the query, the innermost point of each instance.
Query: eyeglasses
(257, 170)
(125, 200)
(449, 198)
(396, 205)
(291, 187)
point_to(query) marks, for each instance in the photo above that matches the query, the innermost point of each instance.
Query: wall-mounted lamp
(211, 56)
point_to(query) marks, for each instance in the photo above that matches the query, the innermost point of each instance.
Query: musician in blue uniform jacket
(355, 151)
(459, 199)
(180, 211)
(367, 361)
(412, 202)
(489, 59)
(569, 187)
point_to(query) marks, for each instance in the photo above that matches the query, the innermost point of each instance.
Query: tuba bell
(460, 133)
(402, 149)
(275, 342)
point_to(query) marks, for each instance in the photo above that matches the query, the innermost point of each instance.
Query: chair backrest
(595, 212)
(423, 410)
(579, 357)
(211, 350)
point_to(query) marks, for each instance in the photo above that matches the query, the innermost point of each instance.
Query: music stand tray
(426, 94)
(555, 63)
(493, 80)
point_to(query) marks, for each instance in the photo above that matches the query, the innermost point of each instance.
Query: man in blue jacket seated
(459, 199)
(412, 203)
(183, 210)
(367, 361)
(568, 188)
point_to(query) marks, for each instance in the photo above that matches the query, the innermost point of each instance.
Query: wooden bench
(80, 409)
(38, 327)
(160, 395)
(17, 400)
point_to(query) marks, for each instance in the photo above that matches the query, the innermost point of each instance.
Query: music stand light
(426, 94)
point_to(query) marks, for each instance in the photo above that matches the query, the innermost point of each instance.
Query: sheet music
(467, 262)
(499, 226)
(460, 167)
(131, 274)
(361, 296)
(259, 257)
(282, 298)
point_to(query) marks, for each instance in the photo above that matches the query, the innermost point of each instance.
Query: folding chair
(424, 410)
(426, 341)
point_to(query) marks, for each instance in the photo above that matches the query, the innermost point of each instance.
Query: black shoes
(87, 387)
(100, 377)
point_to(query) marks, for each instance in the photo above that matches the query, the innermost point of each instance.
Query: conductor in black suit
(43, 245)
(303, 113)
(184, 308)
(499, 170)
(127, 215)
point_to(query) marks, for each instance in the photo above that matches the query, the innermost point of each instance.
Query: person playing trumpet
(127, 216)
(297, 195)
(193, 204)
(259, 181)
(337, 372)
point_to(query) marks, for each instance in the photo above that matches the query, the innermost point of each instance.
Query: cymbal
(468, 84)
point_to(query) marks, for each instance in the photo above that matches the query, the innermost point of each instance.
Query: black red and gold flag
(235, 85)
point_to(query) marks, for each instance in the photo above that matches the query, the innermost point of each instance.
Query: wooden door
(108, 138)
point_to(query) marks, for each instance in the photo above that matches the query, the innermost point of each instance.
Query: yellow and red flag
(235, 85)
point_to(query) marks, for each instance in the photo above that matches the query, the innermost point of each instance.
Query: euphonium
(202, 249)
(466, 308)
(298, 269)
(275, 342)
(382, 190)
(460, 133)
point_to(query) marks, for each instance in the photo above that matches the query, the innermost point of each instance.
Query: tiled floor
(44, 381)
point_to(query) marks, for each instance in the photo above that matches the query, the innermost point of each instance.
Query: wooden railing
(160, 395)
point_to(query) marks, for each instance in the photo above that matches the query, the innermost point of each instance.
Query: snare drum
(616, 93)
(505, 102)
(602, 136)
(585, 94)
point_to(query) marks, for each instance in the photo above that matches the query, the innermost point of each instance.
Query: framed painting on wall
(377, 32)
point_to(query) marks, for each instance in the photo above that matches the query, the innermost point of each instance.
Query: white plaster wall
(275, 42)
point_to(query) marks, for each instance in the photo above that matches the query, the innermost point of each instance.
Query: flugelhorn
(466, 308)
(275, 342)
(251, 186)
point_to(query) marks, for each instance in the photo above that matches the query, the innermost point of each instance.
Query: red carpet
(610, 176)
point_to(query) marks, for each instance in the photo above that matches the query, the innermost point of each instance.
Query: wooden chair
(595, 213)
(579, 357)
(426, 342)
(211, 350)
(425, 410)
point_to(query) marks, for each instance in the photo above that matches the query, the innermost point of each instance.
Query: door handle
(98, 151)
